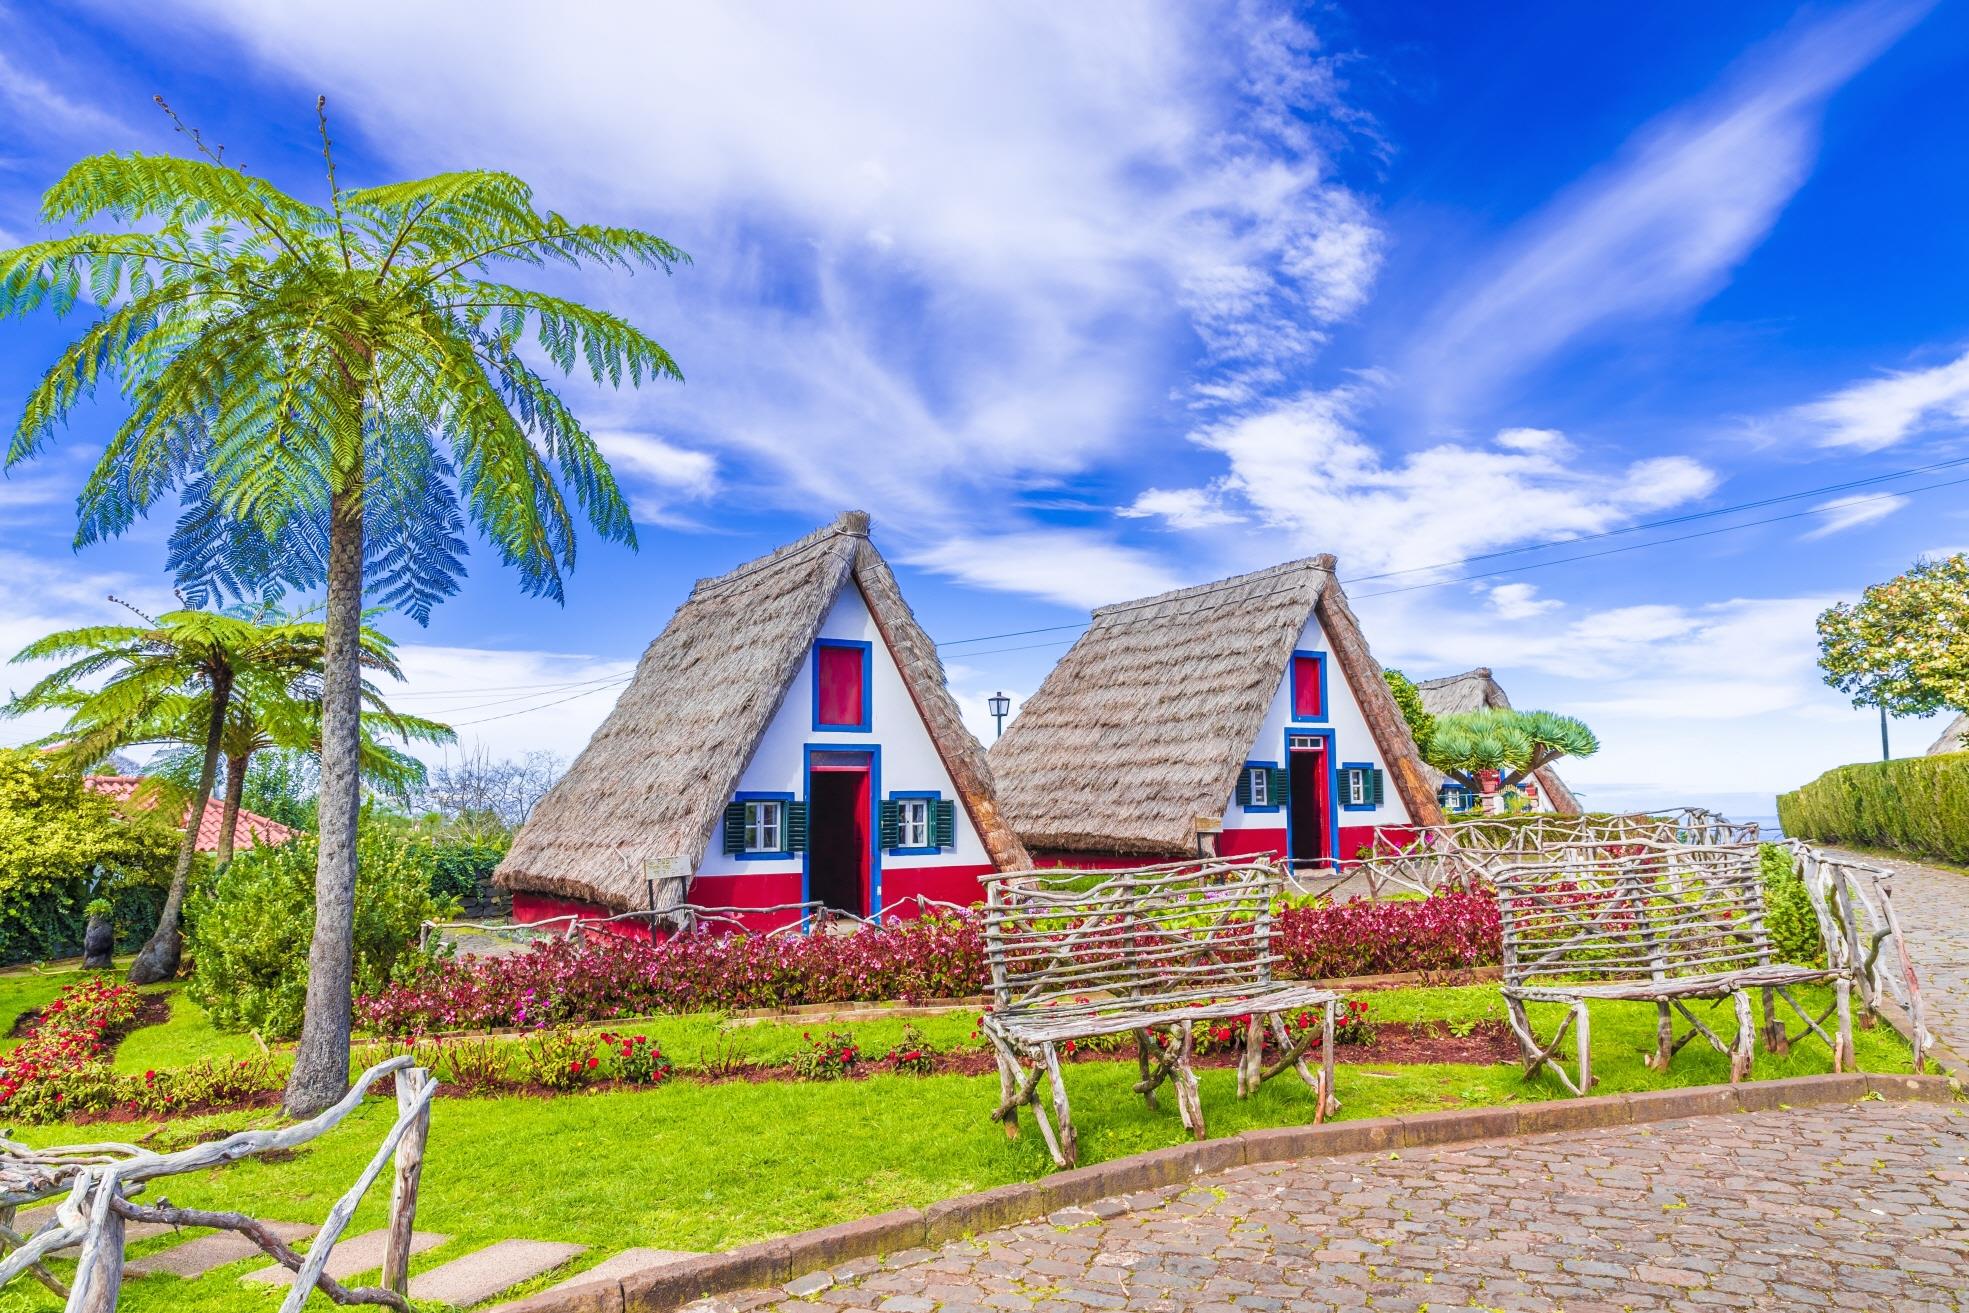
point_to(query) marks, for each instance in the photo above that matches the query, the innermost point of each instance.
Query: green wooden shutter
(1278, 788)
(944, 815)
(734, 827)
(889, 824)
(1377, 786)
(796, 827)
(1244, 786)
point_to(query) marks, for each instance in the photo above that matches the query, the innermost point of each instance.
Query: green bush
(250, 928)
(1916, 805)
(1788, 914)
(55, 835)
(462, 865)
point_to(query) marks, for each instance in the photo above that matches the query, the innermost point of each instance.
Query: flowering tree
(1904, 646)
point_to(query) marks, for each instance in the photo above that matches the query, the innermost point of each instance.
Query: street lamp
(999, 704)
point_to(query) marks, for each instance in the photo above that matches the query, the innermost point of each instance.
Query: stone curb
(775, 1262)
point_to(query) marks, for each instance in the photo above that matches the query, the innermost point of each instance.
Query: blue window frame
(1315, 665)
(1255, 791)
(1356, 786)
(754, 817)
(928, 799)
(867, 651)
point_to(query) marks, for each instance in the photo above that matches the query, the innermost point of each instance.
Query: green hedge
(1917, 805)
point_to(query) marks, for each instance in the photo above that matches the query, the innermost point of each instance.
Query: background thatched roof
(1474, 690)
(1144, 724)
(1954, 739)
(644, 796)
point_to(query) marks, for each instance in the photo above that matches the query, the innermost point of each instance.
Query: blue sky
(1087, 301)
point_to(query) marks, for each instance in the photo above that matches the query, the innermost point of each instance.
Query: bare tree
(483, 792)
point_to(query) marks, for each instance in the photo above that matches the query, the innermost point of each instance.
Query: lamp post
(999, 704)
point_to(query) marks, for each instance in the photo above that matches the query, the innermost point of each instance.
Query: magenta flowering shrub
(1444, 932)
(597, 979)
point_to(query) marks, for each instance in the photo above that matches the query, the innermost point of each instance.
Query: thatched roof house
(1475, 690)
(1954, 739)
(1210, 711)
(728, 720)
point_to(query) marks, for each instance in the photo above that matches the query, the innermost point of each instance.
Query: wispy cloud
(1071, 568)
(1181, 508)
(1661, 228)
(1303, 467)
(1881, 412)
(1843, 513)
(1520, 601)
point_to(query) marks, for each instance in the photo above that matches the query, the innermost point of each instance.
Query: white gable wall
(908, 758)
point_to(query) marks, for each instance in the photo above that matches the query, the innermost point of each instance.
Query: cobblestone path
(1933, 907)
(1862, 1206)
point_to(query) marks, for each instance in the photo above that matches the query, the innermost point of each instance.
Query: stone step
(214, 1249)
(625, 1264)
(353, 1254)
(498, 1267)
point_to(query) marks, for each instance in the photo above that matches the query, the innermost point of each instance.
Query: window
(841, 684)
(913, 823)
(1261, 781)
(1309, 686)
(1260, 787)
(765, 826)
(1362, 786)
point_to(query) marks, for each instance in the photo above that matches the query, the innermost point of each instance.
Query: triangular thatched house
(1245, 715)
(1474, 690)
(787, 739)
(1954, 739)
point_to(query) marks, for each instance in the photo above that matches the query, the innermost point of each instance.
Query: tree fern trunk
(321, 1061)
(229, 819)
(158, 958)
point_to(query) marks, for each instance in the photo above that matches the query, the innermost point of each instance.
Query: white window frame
(914, 822)
(1260, 786)
(765, 825)
(1356, 787)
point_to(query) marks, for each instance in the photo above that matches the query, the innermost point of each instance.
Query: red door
(838, 838)
(1311, 802)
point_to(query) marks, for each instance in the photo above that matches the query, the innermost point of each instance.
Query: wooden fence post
(99, 1271)
(403, 1190)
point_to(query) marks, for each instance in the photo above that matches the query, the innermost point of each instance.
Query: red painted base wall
(529, 909)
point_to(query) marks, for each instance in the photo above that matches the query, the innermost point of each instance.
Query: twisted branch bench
(1657, 922)
(1077, 955)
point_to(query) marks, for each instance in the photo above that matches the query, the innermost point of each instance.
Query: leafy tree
(1421, 725)
(55, 834)
(1904, 646)
(1512, 743)
(294, 370)
(155, 670)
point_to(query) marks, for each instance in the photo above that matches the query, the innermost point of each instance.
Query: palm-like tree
(1516, 744)
(290, 359)
(203, 656)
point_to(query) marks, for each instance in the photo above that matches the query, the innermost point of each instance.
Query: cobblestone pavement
(1933, 907)
(1862, 1206)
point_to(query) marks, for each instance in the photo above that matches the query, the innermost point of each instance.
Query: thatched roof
(1143, 726)
(644, 796)
(1475, 690)
(1954, 739)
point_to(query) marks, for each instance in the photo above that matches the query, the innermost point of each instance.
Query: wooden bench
(1657, 922)
(1080, 955)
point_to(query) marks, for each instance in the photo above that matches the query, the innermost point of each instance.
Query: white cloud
(1549, 441)
(1520, 601)
(1073, 569)
(39, 597)
(509, 701)
(1844, 513)
(1883, 411)
(1661, 228)
(657, 474)
(1181, 508)
(1302, 466)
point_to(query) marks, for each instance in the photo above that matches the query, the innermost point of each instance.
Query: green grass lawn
(693, 1165)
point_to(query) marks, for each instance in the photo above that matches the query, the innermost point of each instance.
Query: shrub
(1350, 1023)
(206, 1083)
(1446, 931)
(560, 1059)
(827, 1057)
(636, 1058)
(1917, 805)
(249, 934)
(1788, 915)
(912, 1053)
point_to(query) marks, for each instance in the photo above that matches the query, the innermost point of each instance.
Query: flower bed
(65, 1047)
(586, 980)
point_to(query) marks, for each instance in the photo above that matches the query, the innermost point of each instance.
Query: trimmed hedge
(1916, 805)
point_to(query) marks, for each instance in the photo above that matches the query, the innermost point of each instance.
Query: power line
(523, 711)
